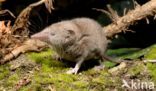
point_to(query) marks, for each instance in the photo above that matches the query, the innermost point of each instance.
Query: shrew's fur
(75, 40)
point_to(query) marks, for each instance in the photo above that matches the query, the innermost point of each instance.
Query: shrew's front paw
(56, 57)
(72, 71)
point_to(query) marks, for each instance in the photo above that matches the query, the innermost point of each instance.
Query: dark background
(144, 35)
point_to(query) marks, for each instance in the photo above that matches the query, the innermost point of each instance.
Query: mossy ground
(47, 74)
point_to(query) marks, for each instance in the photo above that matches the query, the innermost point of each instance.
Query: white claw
(72, 71)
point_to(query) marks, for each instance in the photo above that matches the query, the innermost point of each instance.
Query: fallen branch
(20, 32)
(29, 45)
(122, 24)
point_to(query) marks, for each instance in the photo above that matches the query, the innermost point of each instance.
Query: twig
(112, 14)
(22, 20)
(104, 11)
(22, 82)
(49, 5)
(7, 11)
(122, 24)
(151, 61)
(36, 4)
(29, 45)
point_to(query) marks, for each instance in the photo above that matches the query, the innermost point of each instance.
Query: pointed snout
(43, 36)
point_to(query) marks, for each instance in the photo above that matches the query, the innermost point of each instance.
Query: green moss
(44, 57)
(102, 83)
(4, 71)
(33, 87)
(151, 54)
(109, 64)
(12, 80)
(47, 78)
(81, 84)
(58, 79)
(152, 71)
(53, 73)
(136, 69)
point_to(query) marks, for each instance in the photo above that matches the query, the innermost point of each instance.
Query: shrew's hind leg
(101, 66)
(102, 58)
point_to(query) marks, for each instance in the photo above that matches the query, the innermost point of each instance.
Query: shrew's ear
(71, 32)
